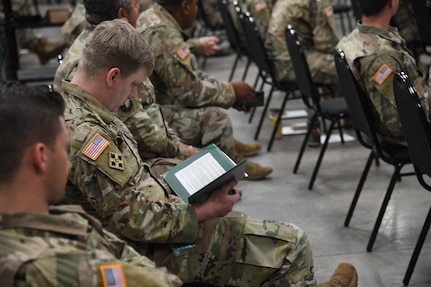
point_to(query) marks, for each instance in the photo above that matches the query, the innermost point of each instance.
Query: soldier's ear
(112, 77)
(122, 13)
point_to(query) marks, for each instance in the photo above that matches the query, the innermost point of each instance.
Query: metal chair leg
(235, 63)
(321, 154)
(304, 143)
(418, 248)
(262, 117)
(279, 120)
(385, 203)
(359, 189)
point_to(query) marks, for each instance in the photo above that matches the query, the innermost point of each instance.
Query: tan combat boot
(256, 171)
(245, 149)
(344, 276)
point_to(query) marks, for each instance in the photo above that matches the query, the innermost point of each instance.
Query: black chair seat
(334, 107)
(397, 152)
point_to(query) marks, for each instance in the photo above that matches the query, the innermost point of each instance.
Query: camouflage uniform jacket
(375, 55)
(312, 20)
(141, 115)
(174, 77)
(109, 179)
(68, 248)
(261, 12)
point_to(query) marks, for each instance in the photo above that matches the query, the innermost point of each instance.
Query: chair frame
(233, 37)
(362, 118)
(266, 73)
(417, 131)
(332, 109)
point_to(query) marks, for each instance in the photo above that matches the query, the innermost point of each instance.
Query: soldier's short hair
(97, 11)
(371, 7)
(116, 43)
(28, 114)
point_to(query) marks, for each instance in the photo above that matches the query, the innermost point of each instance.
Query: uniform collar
(89, 100)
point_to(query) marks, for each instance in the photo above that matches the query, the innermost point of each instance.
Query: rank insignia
(113, 275)
(382, 74)
(183, 52)
(95, 146)
(116, 161)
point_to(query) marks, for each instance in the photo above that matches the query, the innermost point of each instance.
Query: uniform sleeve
(324, 37)
(195, 46)
(80, 269)
(176, 79)
(153, 140)
(119, 186)
(377, 73)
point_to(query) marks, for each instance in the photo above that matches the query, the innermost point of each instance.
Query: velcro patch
(113, 275)
(382, 74)
(183, 52)
(328, 11)
(259, 6)
(116, 161)
(95, 146)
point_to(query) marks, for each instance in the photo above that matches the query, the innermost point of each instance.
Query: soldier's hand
(209, 44)
(191, 150)
(244, 93)
(219, 203)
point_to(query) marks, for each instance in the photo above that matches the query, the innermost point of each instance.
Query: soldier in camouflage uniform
(375, 53)
(53, 246)
(202, 242)
(142, 115)
(189, 97)
(314, 23)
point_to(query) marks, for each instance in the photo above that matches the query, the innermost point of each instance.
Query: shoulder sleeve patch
(113, 275)
(95, 146)
(259, 6)
(382, 74)
(329, 11)
(183, 51)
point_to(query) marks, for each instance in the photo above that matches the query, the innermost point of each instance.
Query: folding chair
(234, 37)
(332, 109)
(266, 72)
(363, 122)
(417, 131)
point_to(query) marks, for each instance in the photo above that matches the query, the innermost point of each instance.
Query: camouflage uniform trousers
(238, 251)
(202, 126)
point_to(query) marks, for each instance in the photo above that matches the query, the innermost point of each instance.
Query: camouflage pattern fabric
(75, 24)
(142, 116)
(406, 23)
(375, 55)
(212, 12)
(117, 187)
(69, 248)
(175, 79)
(313, 21)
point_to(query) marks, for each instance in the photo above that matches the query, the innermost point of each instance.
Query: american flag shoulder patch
(329, 11)
(382, 74)
(259, 6)
(95, 146)
(113, 275)
(183, 51)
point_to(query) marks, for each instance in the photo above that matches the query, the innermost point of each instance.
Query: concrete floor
(321, 211)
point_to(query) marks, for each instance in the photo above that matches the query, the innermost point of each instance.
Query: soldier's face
(127, 88)
(133, 12)
(192, 12)
(58, 166)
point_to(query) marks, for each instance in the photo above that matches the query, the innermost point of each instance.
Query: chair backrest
(416, 127)
(359, 113)
(232, 33)
(202, 14)
(251, 33)
(302, 72)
